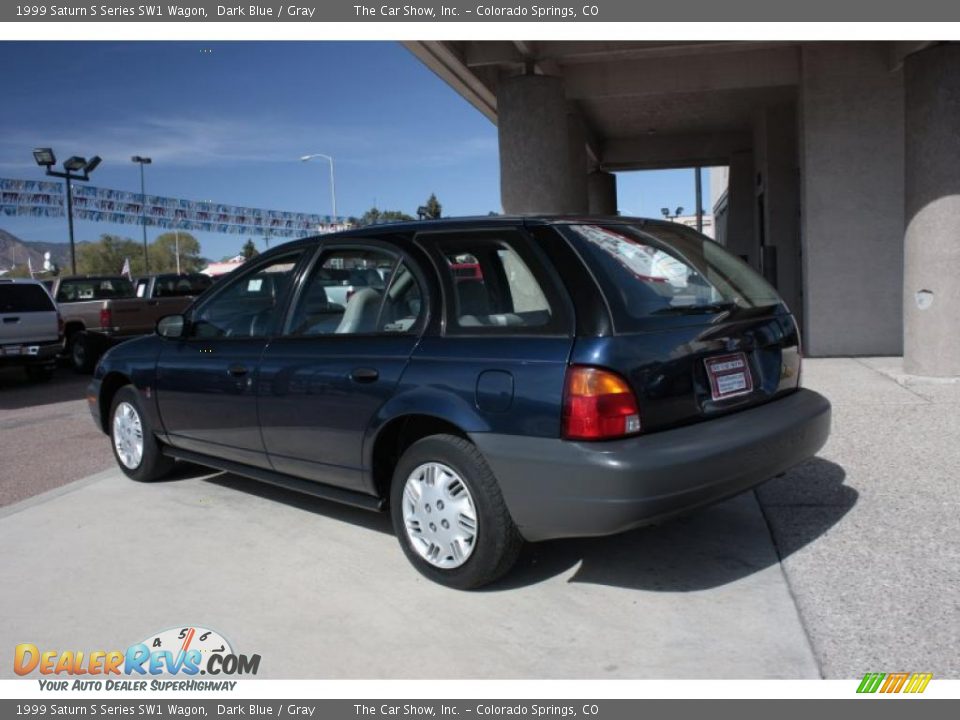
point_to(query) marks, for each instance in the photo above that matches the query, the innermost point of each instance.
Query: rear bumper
(556, 488)
(30, 353)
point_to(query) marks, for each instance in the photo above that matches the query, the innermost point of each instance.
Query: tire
(151, 464)
(83, 355)
(435, 498)
(39, 373)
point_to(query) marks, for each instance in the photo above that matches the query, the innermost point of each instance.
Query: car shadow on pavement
(706, 549)
(709, 548)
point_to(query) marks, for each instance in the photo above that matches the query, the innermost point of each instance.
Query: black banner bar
(876, 709)
(741, 11)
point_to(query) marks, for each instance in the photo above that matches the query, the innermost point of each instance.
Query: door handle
(11, 320)
(365, 375)
(237, 370)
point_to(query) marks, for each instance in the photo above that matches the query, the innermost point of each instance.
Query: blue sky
(226, 122)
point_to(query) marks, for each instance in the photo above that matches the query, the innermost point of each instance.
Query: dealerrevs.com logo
(185, 651)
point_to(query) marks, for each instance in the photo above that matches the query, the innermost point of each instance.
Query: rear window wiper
(706, 309)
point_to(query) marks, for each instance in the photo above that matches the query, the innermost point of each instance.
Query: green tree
(19, 271)
(373, 216)
(433, 209)
(249, 249)
(107, 255)
(163, 253)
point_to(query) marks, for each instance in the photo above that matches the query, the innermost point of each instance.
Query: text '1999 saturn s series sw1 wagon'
(489, 381)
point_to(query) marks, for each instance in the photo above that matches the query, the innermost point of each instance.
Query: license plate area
(729, 376)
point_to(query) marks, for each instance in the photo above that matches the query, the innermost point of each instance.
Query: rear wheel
(449, 515)
(134, 445)
(82, 354)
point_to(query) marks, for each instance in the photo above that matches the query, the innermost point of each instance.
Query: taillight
(598, 405)
(106, 318)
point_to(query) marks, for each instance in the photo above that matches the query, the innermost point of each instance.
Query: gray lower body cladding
(557, 488)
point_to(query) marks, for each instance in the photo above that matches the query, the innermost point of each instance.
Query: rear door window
(494, 283)
(661, 270)
(23, 298)
(346, 293)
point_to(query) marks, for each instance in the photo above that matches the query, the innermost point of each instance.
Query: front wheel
(134, 445)
(449, 515)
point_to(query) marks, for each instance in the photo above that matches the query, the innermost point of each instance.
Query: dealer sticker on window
(729, 376)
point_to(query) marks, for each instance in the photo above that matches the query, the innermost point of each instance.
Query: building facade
(843, 183)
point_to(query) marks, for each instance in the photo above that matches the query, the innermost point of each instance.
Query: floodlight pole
(143, 210)
(68, 176)
(73, 252)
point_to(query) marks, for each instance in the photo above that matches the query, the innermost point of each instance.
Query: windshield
(658, 269)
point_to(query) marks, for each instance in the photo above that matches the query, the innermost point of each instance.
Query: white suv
(31, 330)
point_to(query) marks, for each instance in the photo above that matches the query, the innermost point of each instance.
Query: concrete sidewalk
(322, 591)
(878, 589)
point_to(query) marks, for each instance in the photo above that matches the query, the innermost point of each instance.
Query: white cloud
(219, 141)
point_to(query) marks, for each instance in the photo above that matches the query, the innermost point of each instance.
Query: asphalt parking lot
(847, 564)
(48, 438)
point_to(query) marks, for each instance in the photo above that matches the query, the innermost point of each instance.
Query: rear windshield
(20, 298)
(94, 289)
(660, 270)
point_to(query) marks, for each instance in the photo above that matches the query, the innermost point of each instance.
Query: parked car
(101, 311)
(31, 330)
(168, 285)
(557, 393)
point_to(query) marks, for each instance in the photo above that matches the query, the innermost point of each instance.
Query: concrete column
(577, 147)
(536, 172)
(740, 238)
(602, 193)
(931, 274)
(781, 190)
(852, 199)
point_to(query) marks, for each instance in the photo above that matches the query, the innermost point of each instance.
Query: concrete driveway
(324, 591)
(847, 564)
(46, 436)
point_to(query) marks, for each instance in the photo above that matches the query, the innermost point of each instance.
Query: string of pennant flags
(41, 198)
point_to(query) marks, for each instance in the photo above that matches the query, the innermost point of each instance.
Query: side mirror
(171, 326)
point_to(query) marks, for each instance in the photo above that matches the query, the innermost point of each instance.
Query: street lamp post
(698, 180)
(333, 187)
(140, 160)
(666, 213)
(176, 245)
(45, 158)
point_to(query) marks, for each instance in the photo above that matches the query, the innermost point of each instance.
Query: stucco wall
(852, 141)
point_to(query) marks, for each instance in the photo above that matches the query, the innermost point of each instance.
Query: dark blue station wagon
(489, 381)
